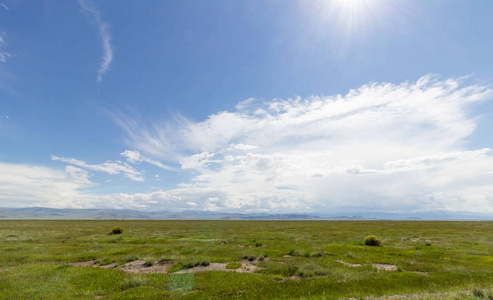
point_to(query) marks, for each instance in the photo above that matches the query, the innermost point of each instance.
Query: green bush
(117, 230)
(372, 240)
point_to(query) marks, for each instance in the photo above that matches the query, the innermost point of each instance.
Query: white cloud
(241, 147)
(136, 157)
(90, 9)
(80, 176)
(27, 185)
(197, 161)
(110, 167)
(4, 6)
(3, 54)
(382, 146)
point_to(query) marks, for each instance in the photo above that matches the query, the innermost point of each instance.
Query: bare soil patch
(139, 266)
(136, 266)
(384, 267)
(348, 264)
(246, 267)
(89, 263)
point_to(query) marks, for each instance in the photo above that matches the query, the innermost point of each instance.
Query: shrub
(233, 265)
(117, 230)
(372, 240)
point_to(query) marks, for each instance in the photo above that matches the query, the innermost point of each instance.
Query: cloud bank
(381, 147)
(89, 9)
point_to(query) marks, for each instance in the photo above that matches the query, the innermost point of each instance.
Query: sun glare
(350, 16)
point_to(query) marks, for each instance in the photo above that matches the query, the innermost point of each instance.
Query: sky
(272, 106)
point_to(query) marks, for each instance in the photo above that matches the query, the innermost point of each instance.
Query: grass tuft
(478, 293)
(117, 230)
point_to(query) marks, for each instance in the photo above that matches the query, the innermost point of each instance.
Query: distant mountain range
(128, 214)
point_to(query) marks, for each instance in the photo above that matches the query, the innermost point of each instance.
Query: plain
(245, 259)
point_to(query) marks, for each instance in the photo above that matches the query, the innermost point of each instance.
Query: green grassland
(296, 259)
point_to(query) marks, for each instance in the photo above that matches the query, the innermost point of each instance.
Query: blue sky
(247, 106)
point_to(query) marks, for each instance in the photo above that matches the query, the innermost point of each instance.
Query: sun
(354, 14)
(351, 16)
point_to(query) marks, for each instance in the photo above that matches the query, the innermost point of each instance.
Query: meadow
(245, 259)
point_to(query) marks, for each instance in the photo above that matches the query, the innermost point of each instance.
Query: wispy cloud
(4, 6)
(3, 54)
(109, 167)
(137, 157)
(90, 9)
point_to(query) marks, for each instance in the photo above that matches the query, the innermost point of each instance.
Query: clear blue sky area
(265, 106)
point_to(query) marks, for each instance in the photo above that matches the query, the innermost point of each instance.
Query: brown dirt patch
(348, 264)
(383, 267)
(89, 263)
(246, 267)
(139, 266)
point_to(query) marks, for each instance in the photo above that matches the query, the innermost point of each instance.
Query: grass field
(281, 259)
